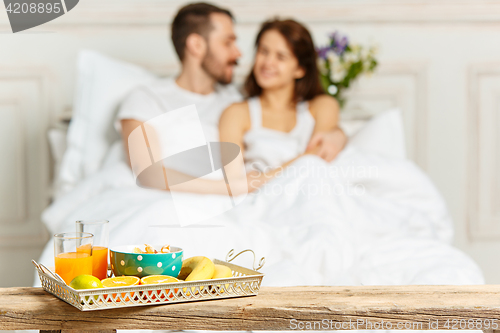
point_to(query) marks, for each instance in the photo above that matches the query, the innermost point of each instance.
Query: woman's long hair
(300, 42)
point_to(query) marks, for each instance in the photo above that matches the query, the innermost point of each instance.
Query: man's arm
(201, 186)
(327, 139)
(128, 125)
(146, 180)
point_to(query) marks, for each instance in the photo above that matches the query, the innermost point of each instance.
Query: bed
(394, 230)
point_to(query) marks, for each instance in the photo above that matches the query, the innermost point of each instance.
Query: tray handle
(42, 268)
(231, 256)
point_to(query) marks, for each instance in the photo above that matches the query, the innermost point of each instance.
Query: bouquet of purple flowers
(341, 62)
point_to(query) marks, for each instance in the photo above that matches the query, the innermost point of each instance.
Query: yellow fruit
(222, 272)
(196, 268)
(156, 279)
(85, 281)
(120, 281)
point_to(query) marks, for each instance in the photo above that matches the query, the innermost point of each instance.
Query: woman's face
(275, 64)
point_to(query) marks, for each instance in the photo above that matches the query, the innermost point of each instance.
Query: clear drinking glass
(100, 230)
(73, 254)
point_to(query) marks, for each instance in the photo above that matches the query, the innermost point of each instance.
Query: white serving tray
(245, 282)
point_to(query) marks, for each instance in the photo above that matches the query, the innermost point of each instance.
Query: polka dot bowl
(125, 262)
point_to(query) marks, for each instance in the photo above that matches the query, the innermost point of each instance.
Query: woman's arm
(327, 139)
(233, 124)
(325, 110)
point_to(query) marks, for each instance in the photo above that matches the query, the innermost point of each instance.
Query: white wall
(440, 62)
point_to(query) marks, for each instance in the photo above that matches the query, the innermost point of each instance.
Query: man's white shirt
(163, 95)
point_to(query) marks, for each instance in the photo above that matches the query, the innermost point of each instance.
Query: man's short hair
(193, 18)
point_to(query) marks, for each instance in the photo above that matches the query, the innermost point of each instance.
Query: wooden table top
(284, 308)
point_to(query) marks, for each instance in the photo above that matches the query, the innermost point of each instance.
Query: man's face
(222, 52)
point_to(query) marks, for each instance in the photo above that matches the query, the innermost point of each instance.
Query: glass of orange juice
(100, 230)
(73, 254)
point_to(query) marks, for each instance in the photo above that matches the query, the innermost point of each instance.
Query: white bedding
(396, 231)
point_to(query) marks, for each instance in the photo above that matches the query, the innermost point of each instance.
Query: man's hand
(327, 145)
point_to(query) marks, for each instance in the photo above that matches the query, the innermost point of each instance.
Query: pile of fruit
(193, 269)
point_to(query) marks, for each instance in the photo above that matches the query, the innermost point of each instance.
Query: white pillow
(102, 83)
(382, 134)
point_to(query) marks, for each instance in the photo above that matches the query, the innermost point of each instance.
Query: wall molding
(14, 108)
(418, 72)
(416, 112)
(483, 220)
(28, 89)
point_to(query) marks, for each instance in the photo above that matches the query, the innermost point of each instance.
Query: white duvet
(362, 219)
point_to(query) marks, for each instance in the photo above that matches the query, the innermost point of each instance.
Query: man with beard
(204, 40)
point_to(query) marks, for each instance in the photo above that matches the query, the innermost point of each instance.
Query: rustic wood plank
(272, 309)
(78, 331)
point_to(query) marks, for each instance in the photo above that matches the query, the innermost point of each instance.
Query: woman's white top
(265, 147)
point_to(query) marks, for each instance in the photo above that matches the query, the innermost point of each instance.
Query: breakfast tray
(245, 282)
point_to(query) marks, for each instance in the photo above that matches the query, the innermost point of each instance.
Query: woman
(286, 103)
